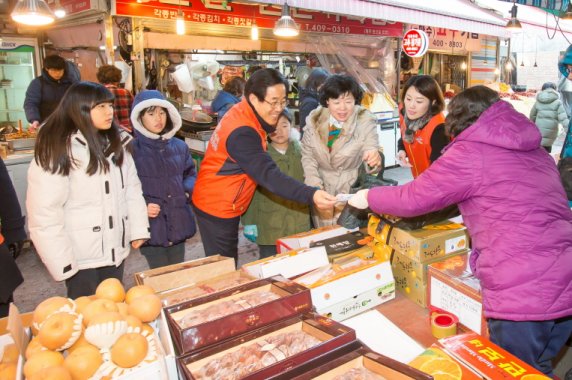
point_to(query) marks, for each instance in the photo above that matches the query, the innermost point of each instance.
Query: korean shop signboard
(415, 43)
(243, 15)
(448, 40)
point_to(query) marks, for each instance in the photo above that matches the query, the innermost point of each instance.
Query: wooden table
(409, 317)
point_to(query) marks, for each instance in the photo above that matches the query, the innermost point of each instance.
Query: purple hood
(513, 203)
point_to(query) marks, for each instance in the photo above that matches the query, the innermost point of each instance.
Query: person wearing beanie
(167, 173)
(565, 89)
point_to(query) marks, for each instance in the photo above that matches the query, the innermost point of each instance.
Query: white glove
(359, 200)
(402, 159)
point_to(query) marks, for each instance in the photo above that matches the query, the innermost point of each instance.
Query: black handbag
(565, 170)
(352, 217)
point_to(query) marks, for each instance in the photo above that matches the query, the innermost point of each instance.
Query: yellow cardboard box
(425, 244)
(411, 275)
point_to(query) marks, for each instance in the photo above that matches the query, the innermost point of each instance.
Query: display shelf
(16, 64)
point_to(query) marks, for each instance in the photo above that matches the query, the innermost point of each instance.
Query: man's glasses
(278, 104)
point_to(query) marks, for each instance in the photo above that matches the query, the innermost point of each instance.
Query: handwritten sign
(468, 310)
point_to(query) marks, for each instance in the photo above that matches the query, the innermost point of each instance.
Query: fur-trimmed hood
(149, 98)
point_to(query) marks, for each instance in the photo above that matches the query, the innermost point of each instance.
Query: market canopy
(548, 5)
(451, 14)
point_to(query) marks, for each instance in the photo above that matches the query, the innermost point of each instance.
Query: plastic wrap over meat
(253, 357)
(225, 308)
(359, 374)
(204, 288)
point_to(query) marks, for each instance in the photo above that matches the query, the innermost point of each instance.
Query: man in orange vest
(236, 162)
(12, 234)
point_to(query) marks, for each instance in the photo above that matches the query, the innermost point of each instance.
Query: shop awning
(549, 5)
(451, 14)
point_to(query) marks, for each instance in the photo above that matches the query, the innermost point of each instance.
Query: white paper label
(464, 307)
(455, 244)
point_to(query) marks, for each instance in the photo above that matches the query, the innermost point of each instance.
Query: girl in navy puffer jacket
(167, 173)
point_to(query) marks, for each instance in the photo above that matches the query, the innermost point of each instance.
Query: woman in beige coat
(339, 136)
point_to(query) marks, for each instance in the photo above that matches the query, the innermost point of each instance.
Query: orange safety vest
(1, 239)
(419, 151)
(226, 195)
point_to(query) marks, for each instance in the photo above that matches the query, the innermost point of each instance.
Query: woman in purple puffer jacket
(509, 192)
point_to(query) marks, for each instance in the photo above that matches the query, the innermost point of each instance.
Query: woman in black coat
(12, 235)
(309, 95)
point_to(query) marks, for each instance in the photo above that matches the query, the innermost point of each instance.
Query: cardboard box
(17, 334)
(203, 288)
(184, 274)
(331, 334)
(168, 348)
(423, 245)
(293, 299)
(488, 359)
(362, 358)
(458, 293)
(341, 245)
(359, 303)
(304, 239)
(373, 273)
(411, 275)
(288, 264)
(435, 360)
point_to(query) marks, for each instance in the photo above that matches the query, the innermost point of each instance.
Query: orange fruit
(97, 307)
(129, 350)
(81, 342)
(52, 373)
(111, 289)
(48, 307)
(34, 346)
(11, 353)
(81, 303)
(8, 371)
(83, 362)
(146, 308)
(138, 291)
(442, 369)
(57, 330)
(42, 360)
(123, 308)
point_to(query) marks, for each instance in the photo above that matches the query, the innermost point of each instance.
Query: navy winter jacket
(167, 171)
(223, 102)
(44, 93)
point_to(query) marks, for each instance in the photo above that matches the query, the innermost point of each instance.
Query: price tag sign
(415, 43)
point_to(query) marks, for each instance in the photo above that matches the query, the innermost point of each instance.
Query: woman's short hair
(316, 78)
(548, 85)
(235, 86)
(338, 85)
(108, 74)
(467, 106)
(427, 86)
(260, 80)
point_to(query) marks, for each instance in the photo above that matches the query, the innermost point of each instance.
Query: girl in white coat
(85, 204)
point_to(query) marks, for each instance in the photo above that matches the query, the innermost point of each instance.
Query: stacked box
(411, 275)
(412, 251)
(360, 360)
(457, 292)
(422, 245)
(288, 264)
(351, 285)
(204, 321)
(304, 239)
(329, 335)
(184, 274)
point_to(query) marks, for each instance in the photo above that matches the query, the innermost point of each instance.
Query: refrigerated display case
(18, 66)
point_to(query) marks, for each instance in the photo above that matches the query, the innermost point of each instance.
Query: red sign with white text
(265, 16)
(72, 6)
(415, 43)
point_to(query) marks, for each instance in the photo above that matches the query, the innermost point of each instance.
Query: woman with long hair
(85, 205)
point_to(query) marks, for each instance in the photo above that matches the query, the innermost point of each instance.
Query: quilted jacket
(514, 206)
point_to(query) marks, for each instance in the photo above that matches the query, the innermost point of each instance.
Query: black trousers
(162, 256)
(219, 235)
(84, 282)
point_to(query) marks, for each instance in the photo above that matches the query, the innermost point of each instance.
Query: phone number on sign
(327, 28)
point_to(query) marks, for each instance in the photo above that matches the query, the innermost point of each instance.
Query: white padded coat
(79, 221)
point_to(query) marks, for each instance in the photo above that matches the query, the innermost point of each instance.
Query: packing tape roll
(443, 325)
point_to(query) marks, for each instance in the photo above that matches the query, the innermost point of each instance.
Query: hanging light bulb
(513, 24)
(508, 66)
(497, 71)
(463, 65)
(32, 12)
(567, 16)
(180, 23)
(286, 26)
(60, 12)
(254, 31)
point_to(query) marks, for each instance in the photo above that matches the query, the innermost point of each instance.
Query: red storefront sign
(72, 6)
(415, 43)
(241, 14)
